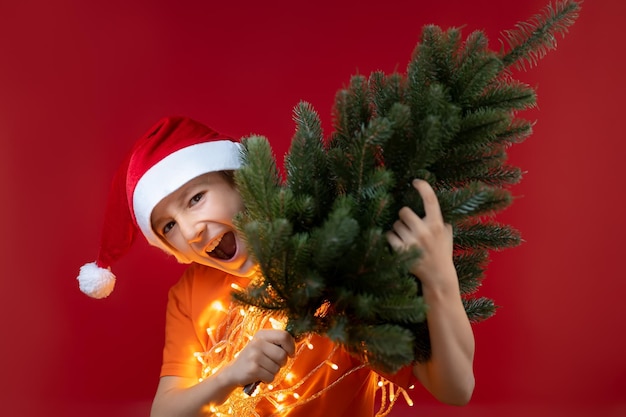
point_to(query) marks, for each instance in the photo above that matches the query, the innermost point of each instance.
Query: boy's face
(197, 222)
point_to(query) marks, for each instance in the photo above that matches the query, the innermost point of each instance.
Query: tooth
(214, 244)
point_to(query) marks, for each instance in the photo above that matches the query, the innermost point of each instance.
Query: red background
(80, 81)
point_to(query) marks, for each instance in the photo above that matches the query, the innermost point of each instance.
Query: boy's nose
(193, 232)
(196, 238)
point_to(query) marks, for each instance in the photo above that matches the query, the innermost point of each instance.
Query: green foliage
(319, 234)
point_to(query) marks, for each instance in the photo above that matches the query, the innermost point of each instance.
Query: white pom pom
(94, 281)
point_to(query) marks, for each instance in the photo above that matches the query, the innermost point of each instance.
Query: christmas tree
(318, 231)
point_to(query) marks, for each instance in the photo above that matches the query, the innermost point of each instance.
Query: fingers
(267, 362)
(279, 338)
(394, 240)
(264, 355)
(412, 231)
(431, 203)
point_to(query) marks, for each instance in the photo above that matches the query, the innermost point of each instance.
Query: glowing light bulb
(380, 384)
(296, 395)
(309, 345)
(209, 331)
(408, 399)
(289, 377)
(332, 365)
(217, 305)
(235, 286)
(280, 397)
(270, 387)
(277, 325)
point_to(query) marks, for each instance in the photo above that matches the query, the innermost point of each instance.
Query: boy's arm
(448, 375)
(260, 360)
(179, 396)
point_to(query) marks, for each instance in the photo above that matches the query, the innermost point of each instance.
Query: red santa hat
(172, 152)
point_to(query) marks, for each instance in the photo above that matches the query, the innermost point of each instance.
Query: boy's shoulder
(199, 271)
(202, 279)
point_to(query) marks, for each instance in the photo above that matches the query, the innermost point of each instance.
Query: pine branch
(489, 235)
(512, 95)
(258, 180)
(319, 234)
(307, 169)
(532, 39)
(479, 309)
(470, 269)
(351, 111)
(382, 346)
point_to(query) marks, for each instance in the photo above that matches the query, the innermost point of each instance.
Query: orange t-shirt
(191, 310)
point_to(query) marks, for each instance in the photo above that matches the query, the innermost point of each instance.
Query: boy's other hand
(430, 234)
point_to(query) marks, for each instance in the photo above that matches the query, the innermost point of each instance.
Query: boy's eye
(195, 199)
(168, 227)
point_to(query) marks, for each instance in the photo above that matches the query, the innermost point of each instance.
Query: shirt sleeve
(404, 378)
(181, 340)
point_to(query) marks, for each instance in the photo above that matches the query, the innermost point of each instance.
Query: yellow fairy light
(408, 399)
(277, 325)
(209, 331)
(233, 330)
(217, 305)
(389, 395)
(236, 287)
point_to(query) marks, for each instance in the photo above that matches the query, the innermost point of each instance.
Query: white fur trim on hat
(176, 169)
(95, 281)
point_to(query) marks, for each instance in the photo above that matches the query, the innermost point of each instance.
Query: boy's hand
(261, 359)
(430, 235)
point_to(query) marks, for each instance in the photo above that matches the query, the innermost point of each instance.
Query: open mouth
(225, 247)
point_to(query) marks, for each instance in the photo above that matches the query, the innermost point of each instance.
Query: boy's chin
(245, 269)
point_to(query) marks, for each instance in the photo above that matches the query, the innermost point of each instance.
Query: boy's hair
(229, 175)
(172, 152)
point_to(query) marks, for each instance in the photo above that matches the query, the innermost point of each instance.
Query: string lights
(236, 327)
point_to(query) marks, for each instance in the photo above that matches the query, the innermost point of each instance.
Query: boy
(176, 187)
